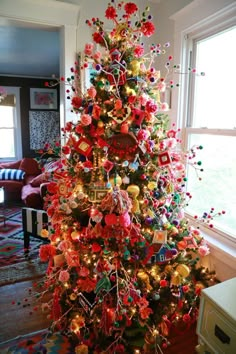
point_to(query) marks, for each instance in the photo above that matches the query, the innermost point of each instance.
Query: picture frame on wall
(44, 127)
(85, 73)
(43, 98)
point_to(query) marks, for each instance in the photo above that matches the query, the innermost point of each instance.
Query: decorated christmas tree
(122, 257)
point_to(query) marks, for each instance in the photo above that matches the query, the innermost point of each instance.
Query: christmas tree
(122, 257)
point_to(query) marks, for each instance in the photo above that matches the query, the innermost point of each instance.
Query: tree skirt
(40, 342)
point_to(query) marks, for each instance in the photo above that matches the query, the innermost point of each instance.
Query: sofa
(22, 181)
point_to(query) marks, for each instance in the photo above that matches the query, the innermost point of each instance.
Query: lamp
(2, 199)
(1, 195)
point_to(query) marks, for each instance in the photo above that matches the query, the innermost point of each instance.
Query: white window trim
(201, 14)
(17, 122)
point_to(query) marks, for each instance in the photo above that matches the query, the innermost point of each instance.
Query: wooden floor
(18, 311)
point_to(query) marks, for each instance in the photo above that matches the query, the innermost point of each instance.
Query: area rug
(12, 240)
(31, 269)
(40, 342)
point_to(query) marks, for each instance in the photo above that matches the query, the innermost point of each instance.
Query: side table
(216, 327)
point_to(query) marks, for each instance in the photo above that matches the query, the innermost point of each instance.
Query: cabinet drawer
(217, 330)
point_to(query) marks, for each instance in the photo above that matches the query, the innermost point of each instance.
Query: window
(10, 127)
(211, 123)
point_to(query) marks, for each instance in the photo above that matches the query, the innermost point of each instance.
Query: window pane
(7, 148)
(217, 188)
(6, 117)
(214, 94)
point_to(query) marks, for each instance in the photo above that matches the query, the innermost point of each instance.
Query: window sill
(222, 247)
(221, 250)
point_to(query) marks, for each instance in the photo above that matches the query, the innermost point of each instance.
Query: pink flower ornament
(64, 276)
(86, 119)
(88, 49)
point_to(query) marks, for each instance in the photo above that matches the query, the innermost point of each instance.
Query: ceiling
(28, 50)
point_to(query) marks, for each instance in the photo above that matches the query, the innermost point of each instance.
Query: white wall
(92, 8)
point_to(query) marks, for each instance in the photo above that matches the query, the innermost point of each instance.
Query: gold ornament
(134, 190)
(152, 185)
(75, 235)
(183, 270)
(176, 279)
(73, 297)
(135, 67)
(168, 268)
(145, 278)
(100, 124)
(44, 233)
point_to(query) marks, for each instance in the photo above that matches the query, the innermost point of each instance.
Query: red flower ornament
(111, 13)
(130, 8)
(147, 29)
(98, 38)
(76, 102)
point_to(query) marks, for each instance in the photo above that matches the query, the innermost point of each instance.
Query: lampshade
(1, 195)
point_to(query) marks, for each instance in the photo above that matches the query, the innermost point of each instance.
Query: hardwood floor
(18, 311)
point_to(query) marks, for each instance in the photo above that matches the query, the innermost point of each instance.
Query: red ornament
(164, 158)
(186, 318)
(84, 146)
(163, 283)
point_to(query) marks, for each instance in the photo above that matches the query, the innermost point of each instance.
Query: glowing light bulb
(155, 332)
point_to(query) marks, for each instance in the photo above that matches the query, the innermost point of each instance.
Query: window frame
(192, 40)
(17, 125)
(197, 21)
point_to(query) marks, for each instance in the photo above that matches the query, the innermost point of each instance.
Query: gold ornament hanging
(134, 190)
(183, 270)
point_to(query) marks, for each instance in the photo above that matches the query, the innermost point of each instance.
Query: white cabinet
(216, 327)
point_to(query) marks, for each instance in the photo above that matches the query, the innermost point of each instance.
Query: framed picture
(43, 98)
(44, 127)
(85, 73)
